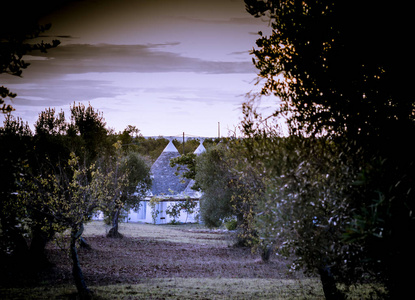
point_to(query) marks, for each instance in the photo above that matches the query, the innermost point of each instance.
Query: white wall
(143, 214)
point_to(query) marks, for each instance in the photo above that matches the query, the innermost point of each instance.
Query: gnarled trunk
(113, 232)
(266, 252)
(37, 247)
(329, 284)
(83, 291)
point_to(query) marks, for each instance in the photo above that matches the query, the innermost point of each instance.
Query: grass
(186, 233)
(183, 288)
(193, 288)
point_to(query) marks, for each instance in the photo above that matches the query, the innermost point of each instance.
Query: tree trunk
(266, 252)
(20, 248)
(113, 233)
(13, 249)
(84, 244)
(13, 238)
(401, 265)
(37, 248)
(83, 291)
(329, 284)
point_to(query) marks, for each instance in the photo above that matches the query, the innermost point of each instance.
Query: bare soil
(162, 262)
(154, 251)
(172, 251)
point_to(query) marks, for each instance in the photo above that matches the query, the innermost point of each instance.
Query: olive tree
(230, 188)
(15, 146)
(65, 198)
(126, 181)
(334, 77)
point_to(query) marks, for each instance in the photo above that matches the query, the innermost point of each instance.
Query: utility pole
(218, 130)
(183, 143)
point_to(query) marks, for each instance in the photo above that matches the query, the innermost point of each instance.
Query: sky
(164, 66)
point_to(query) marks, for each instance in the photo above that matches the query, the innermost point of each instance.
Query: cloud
(86, 58)
(55, 93)
(214, 20)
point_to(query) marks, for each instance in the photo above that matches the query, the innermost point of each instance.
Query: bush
(231, 224)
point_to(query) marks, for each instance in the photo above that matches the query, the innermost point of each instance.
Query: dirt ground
(163, 262)
(156, 251)
(169, 251)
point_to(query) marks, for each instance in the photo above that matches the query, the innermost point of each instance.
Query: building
(169, 189)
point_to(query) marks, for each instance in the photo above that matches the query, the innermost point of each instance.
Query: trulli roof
(200, 149)
(165, 181)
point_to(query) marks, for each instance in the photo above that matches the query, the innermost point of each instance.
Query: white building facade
(169, 189)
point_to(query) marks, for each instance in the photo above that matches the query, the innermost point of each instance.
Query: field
(163, 262)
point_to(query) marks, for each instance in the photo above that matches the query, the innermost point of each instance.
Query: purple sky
(165, 66)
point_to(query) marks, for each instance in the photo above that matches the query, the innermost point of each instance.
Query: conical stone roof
(200, 149)
(165, 181)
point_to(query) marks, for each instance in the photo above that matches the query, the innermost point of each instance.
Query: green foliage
(89, 124)
(50, 124)
(137, 169)
(127, 180)
(14, 44)
(231, 224)
(15, 144)
(153, 203)
(49, 182)
(174, 212)
(186, 165)
(230, 188)
(113, 181)
(311, 62)
(213, 177)
(65, 200)
(150, 147)
(306, 207)
(188, 147)
(37, 158)
(188, 206)
(128, 138)
(334, 78)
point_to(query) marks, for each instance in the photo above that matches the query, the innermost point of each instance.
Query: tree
(49, 183)
(188, 206)
(128, 137)
(323, 67)
(14, 37)
(306, 206)
(187, 147)
(89, 124)
(66, 198)
(151, 147)
(213, 177)
(139, 179)
(49, 123)
(230, 188)
(15, 146)
(154, 204)
(112, 182)
(46, 188)
(336, 78)
(185, 165)
(126, 181)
